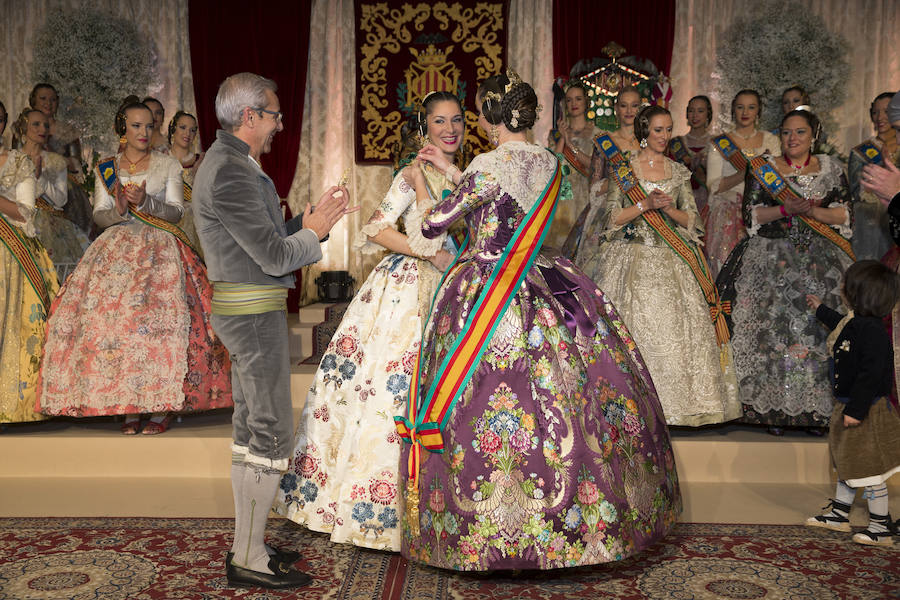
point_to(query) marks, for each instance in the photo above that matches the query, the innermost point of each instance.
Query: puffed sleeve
(839, 196)
(684, 201)
(714, 166)
(53, 183)
(475, 188)
(25, 191)
(168, 202)
(754, 197)
(604, 221)
(855, 166)
(395, 202)
(105, 212)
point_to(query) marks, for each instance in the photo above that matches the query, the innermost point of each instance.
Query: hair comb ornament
(515, 118)
(514, 80)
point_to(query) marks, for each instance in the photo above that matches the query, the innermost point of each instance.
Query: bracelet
(640, 206)
(784, 213)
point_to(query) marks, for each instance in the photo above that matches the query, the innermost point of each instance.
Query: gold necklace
(132, 166)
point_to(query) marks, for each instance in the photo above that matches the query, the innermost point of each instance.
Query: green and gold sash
(428, 413)
(622, 174)
(12, 239)
(108, 173)
(780, 189)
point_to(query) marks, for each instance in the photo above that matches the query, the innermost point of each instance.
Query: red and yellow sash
(108, 173)
(12, 239)
(621, 173)
(428, 415)
(779, 188)
(572, 159)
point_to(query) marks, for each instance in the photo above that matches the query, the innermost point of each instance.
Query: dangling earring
(756, 122)
(420, 136)
(122, 140)
(643, 143)
(495, 135)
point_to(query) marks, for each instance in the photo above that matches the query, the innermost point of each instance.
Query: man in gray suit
(251, 254)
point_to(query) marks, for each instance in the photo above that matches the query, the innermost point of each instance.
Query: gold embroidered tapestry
(404, 50)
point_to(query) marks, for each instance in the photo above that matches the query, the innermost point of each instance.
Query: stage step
(85, 467)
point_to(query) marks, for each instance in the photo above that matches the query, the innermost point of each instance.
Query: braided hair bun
(516, 109)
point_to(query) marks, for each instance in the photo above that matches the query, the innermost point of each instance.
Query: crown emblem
(431, 56)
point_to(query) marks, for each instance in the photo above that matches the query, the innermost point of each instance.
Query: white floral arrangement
(784, 46)
(94, 60)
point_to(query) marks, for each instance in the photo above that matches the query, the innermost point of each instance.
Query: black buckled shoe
(288, 557)
(282, 577)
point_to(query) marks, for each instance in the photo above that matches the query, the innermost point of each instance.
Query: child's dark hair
(871, 288)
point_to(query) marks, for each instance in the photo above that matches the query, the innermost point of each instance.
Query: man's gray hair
(237, 93)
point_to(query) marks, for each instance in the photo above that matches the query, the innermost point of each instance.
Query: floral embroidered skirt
(130, 333)
(665, 310)
(724, 229)
(779, 345)
(23, 318)
(344, 471)
(556, 453)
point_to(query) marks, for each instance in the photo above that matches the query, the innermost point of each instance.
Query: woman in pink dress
(129, 333)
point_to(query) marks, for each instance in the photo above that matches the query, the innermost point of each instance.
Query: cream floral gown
(343, 477)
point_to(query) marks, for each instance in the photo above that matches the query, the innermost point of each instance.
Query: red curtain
(582, 27)
(270, 39)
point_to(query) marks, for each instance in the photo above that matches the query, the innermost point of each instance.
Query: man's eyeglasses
(277, 115)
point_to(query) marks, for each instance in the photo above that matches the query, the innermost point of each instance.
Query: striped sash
(779, 188)
(108, 173)
(731, 152)
(41, 204)
(624, 177)
(428, 415)
(678, 151)
(870, 153)
(572, 159)
(12, 239)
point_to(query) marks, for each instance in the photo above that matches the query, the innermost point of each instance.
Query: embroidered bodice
(496, 192)
(827, 188)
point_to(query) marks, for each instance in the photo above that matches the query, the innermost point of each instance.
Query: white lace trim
(526, 182)
(418, 243)
(17, 184)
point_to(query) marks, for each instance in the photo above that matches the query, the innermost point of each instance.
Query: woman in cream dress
(182, 133)
(576, 145)
(64, 241)
(343, 478)
(654, 289)
(725, 227)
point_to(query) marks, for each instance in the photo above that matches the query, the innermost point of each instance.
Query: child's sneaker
(837, 519)
(880, 532)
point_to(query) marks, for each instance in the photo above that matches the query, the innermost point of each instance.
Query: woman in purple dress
(537, 437)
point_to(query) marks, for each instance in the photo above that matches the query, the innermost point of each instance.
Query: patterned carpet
(149, 559)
